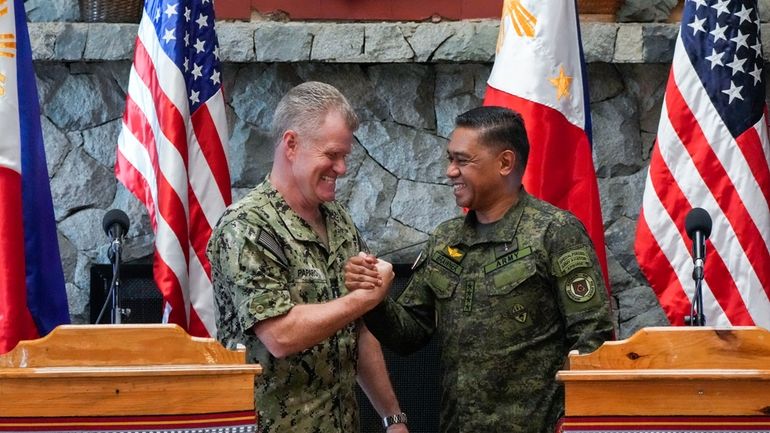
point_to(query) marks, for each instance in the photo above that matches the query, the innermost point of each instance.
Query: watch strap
(399, 418)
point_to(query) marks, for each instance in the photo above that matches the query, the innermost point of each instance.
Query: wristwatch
(399, 418)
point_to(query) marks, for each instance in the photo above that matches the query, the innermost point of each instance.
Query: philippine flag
(33, 300)
(539, 72)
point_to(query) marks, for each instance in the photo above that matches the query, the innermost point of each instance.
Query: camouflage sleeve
(250, 266)
(578, 285)
(406, 324)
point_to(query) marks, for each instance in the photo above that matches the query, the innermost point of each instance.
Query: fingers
(361, 272)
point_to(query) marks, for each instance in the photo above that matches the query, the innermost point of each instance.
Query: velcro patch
(572, 260)
(268, 241)
(507, 259)
(581, 288)
(447, 263)
(309, 274)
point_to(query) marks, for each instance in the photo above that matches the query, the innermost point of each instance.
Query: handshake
(368, 277)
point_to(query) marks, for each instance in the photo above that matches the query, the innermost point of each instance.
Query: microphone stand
(113, 294)
(696, 308)
(115, 286)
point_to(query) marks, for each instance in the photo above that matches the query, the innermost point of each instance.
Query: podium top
(118, 345)
(668, 348)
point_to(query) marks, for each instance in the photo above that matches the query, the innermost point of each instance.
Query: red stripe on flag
(196, 326)
(751, 146)
(212, 149)
(569, 186)
(16, 322)
(137, 184)
(653, 262)
(172, 291)
(200, 232)
(716, 179)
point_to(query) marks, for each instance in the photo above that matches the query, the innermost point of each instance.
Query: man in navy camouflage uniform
(277, 258)
(509, 289)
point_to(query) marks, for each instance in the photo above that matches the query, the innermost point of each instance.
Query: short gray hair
(305, 107)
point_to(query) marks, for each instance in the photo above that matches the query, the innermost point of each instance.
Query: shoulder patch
(572, 260)
(581, 288)
(268, 241)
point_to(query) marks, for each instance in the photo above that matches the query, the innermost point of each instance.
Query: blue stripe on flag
(46, 294)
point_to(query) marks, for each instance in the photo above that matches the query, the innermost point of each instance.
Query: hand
(398, 428)
(361, 272)
(385, 271)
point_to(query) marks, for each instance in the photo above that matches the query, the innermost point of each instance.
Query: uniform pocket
(443, 285)
(511, 276)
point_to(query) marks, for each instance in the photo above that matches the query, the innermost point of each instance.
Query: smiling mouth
(458, 186)
(328, 179)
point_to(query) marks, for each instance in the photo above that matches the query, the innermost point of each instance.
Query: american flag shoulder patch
(271, 244)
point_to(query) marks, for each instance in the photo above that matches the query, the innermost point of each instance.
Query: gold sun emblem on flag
(562, 83)
(7, 43)
(522, 21)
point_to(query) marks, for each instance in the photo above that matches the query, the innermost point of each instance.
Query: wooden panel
(668, 397)
(673, 372)
(81, 345)
(92, 396)
(681, 348)
(118, 370)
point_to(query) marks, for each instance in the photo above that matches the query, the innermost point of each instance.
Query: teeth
(458, 186)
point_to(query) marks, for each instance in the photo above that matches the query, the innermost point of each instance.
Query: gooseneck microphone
(115, 224)
(697, 224)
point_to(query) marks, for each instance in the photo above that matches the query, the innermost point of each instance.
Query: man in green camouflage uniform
(277, 258)
(509, 289)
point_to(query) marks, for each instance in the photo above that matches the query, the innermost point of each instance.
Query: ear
(507, 160)
(290, 143)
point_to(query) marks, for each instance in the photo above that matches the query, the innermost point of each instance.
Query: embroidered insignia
(581, 289)
(447, 263)
(519, 313)
(572, 260)
(268, 241)
(454, 253)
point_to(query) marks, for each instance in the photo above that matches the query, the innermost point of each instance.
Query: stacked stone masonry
(407, 81)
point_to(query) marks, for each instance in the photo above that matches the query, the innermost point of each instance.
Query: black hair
(500, 128)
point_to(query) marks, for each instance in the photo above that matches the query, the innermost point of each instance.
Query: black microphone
(698, 227)
(115, 225)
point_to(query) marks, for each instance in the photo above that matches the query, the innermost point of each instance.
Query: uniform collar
(299, 228)
(504, 230)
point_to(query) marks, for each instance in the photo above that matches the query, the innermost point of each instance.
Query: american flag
(172, 150)
(712, 152)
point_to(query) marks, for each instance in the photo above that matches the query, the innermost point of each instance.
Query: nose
(452, 171)
(340, 167)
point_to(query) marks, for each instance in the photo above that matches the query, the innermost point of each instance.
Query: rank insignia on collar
(454, 253)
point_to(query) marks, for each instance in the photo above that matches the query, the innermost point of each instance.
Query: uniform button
(259, 308)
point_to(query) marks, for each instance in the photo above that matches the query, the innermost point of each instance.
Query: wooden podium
(126, 378)
(672, 379)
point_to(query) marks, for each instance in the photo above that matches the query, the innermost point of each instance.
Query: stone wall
(407, 81)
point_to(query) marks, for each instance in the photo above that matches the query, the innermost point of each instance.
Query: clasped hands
(367, 272)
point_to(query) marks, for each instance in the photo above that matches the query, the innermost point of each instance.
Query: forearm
(306, 325)
(401, 329)
(373, 375)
